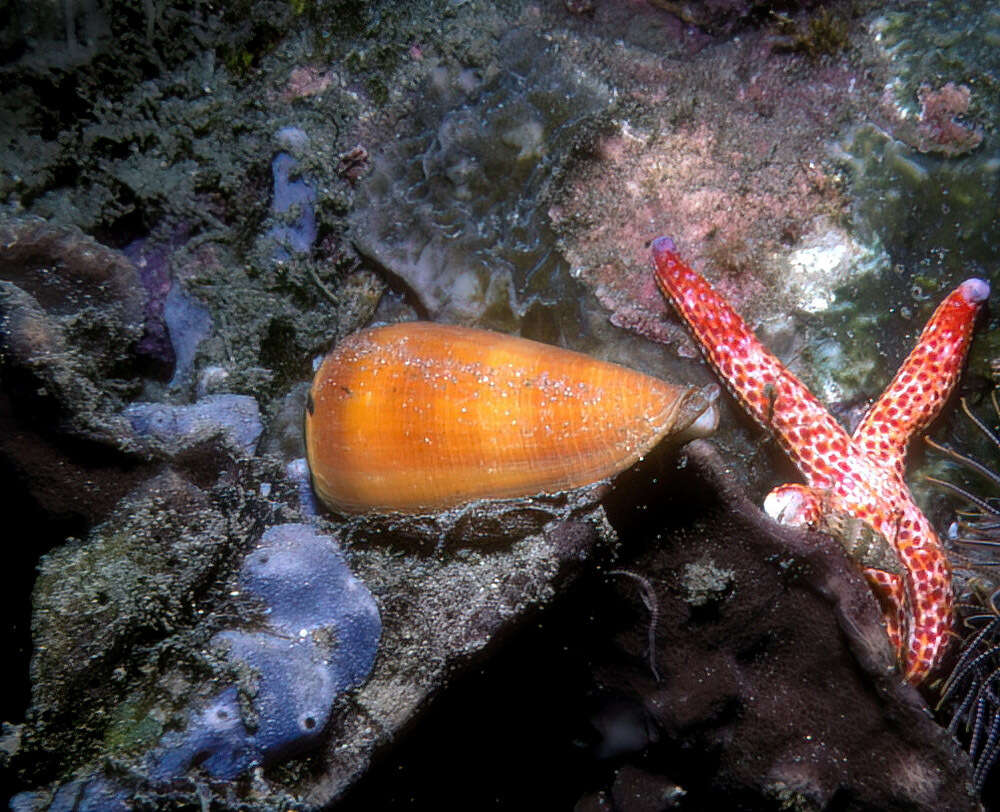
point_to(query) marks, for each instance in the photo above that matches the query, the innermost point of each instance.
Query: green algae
(921, 206)
(934, 214)
(132, 728)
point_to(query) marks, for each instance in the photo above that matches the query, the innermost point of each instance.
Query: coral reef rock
(781, 688)
(71, 314)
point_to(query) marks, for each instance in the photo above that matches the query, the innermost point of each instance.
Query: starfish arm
(925, 379)
(891, 592)
(929, 594)
(772, 395)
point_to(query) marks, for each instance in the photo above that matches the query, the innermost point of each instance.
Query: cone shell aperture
(420, 417)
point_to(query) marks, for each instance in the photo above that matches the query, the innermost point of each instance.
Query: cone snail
(420, 417)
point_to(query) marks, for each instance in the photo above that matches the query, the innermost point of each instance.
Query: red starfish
(859, 476)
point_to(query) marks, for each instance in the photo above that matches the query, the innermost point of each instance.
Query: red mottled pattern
(859, 476)
(924, 381)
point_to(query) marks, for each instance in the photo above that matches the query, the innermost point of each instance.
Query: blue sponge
(319, 639)
(294, 205)
(237, 417)
(96, 794)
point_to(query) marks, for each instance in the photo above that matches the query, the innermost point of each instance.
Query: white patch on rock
(825, 258)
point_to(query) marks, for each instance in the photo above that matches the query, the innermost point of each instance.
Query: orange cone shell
(421, 417)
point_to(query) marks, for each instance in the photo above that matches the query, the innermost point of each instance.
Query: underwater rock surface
(782, 672)
(132, 598)
(728, 159)
(320, 638)
(135, 577)
(720, 659)
(71, 313)
(310, 634)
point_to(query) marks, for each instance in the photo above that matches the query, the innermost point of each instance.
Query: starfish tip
(663, 245)
(975, 290)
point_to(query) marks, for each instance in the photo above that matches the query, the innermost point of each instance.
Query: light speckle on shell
(422, 417)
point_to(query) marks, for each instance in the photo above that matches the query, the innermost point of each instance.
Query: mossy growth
(822, 34)
(349, 17)
(985, 351)
(132, 728)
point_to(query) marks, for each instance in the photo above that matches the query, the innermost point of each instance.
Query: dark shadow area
(511, 733)
(29, 532)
